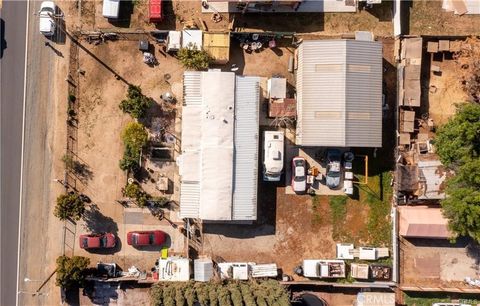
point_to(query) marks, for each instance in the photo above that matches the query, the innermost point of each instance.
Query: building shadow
(124, 15)
(383, 11)
(169, 17)
(405, 7)
(281, 22)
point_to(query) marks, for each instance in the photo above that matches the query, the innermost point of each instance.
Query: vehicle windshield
(151, 238)
(134, 239)
(48, 10)
(273, 174)
(103, 241)
(333, 174)
(299, 178)
(85, 242)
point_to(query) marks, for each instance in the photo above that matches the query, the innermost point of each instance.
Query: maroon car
(97, 241)
(146, 238)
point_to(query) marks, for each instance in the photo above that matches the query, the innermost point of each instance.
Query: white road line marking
(22, 153)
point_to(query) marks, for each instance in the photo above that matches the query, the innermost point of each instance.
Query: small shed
(264, 270)
(217, 44)
(192, 39)
(368, 253)
(233, 270)
(282, 108)
(359, 271)
(173, 269)
(345, 250)
(277, 88)
(203, 269)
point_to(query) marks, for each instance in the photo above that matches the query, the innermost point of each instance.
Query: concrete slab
(314, 157)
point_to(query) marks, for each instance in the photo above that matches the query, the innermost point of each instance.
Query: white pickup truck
(47, 18)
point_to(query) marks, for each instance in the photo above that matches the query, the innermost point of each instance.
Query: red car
(97, 241)
(146, 238)
(155, 11)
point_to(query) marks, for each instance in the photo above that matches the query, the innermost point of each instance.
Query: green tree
(136, 192)
(136, 104)
(69, 206)
(458, 145)
(191, 58)
(71, 271)
(130, 160)
(459, 139)
(135, 135)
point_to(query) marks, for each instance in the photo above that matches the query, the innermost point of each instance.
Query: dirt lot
(179, 13)
(428, 18)
(99, 146)
(426, 263)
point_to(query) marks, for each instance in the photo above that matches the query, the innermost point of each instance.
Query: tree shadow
(124, 15)
(83, 171)
(97, 222)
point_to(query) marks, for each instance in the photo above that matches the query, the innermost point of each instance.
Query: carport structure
(339, 93)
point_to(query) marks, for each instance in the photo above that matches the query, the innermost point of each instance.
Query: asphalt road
(37, 146)
(12, 66)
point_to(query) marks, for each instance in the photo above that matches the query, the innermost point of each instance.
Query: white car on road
(47, 18)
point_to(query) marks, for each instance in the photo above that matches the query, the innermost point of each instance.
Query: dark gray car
(334, 159)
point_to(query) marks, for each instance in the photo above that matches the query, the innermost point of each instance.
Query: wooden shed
(217, 44)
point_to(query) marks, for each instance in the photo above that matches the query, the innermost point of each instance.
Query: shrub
(226, 293)
(134, 137)
(71, 271)
(72, 98)
(136, 104)
(136, 192)
(69, 206)
(194, 59)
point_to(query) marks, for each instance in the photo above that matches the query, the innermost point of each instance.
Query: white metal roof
(192, 39)
(339, 93)
(203, 269)
(277, 88)
(218, 164)
(216, 181)
(110, 8)
(345, 250)
(247, 99)
(173, 269)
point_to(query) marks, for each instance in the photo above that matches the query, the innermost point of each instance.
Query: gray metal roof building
(219, 161)
(339, 93)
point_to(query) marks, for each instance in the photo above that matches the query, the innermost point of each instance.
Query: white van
(273, 155)
(111, 9)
